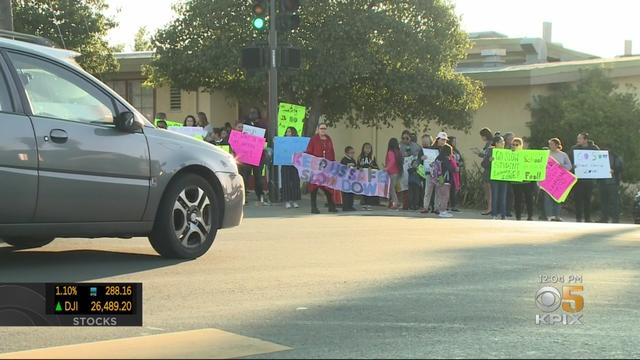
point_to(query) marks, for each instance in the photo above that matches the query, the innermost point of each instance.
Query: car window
(59, 93)
(5, 99)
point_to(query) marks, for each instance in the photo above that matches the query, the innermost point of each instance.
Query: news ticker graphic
(71, 304)
(560, 299)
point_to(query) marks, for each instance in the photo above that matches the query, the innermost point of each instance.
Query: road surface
(376, 284)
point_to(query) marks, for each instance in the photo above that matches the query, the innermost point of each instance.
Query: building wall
(504, 110)
(215, 105)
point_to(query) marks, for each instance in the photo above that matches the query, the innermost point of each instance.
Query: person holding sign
(551, 207)
(290, 179)
(522, 191)
(189, 121)
(583, 189)
(609, 190)
(367, 160)
(321, 146)
(498, 188)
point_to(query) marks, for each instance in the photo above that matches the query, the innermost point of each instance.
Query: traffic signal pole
(273, 71)
(273, 91)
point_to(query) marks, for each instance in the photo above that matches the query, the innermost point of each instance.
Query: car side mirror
(126, 121)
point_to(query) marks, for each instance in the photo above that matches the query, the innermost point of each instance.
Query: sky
(592, 26)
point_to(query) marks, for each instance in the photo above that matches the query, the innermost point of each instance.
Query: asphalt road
(377, 284)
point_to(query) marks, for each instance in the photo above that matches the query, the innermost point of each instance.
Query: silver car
(76, 160)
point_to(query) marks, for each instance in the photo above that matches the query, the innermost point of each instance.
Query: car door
(88, 170)
(18, 157)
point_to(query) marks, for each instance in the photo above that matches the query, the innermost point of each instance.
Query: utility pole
(273, 70)
(6, 15)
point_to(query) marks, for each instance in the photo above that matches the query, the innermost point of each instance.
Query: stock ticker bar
(71, 304)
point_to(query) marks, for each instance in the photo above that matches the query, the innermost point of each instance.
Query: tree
(141, 41)
(365, 62)
(6, 15)
(117, 48)
(594, 105)
(78, 25)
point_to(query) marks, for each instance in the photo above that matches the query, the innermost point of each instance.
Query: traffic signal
(254, 57)
(289, 17)
(260, 11)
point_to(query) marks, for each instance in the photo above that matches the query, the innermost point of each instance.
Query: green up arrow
(58, 307)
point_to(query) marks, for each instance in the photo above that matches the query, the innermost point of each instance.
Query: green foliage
(472, 193)
(78, 25)
(595, 105)
(364, 62)
(141, 40)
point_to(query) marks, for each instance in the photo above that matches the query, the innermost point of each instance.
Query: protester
(393, 165)
(487, 137)
(441, 177)
(290, 179)
(458, 164)
(202, 122)
(367, 160)
(254, 119)
(410, 149)
(498, 188)
(523, 191)
(508, 139)
(321, 146)
(224, 134)
(189, 121)
(551, 207)
(350, 161)
(161, 124)
(429, 191)
(583, 189)
(610, 190)
(247, 171)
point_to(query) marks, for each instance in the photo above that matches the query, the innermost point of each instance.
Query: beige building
(513, 71)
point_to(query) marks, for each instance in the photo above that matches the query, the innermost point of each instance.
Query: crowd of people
(429, 188)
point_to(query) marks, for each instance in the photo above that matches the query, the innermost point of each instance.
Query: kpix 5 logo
(549, 299)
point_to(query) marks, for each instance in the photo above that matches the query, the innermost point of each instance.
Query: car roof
(67, 56)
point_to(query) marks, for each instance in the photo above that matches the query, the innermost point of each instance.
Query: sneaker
(455, 210)
(445, 214)
(287, 205)
(559, 219)
(295, 205)
(315, 211)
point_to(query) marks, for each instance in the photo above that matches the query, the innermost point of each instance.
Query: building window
(175, 99)
(136, 94)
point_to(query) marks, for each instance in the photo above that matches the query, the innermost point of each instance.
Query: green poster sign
(290, 115)
(226, 148)
(518, 166)
(534, 164)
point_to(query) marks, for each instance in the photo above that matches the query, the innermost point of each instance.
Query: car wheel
(28, 242)
(186, 220)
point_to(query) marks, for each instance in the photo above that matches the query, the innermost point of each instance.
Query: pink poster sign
(248, 148)
(558, 182)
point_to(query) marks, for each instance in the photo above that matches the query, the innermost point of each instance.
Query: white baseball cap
(442, 135)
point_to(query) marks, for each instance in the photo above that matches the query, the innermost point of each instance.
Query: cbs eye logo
(548, 299)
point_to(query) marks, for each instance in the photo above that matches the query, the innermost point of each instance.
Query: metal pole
(273, 77)
(6, 15)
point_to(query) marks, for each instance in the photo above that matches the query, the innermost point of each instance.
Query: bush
(472, 193)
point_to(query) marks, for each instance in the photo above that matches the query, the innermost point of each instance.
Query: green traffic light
(258, 23)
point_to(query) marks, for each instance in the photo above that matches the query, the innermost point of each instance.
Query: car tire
(186, 220)
(28, 242)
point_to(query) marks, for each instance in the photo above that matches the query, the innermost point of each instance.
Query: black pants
(246, 171)
(510, 197)
(347, 201)
(314, 199)
(582, 195)
(414, 195)
(453, 197)
(609, 201)
(523, 193)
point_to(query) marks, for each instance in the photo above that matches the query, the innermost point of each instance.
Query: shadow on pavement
(74, 265)
(482, 305)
